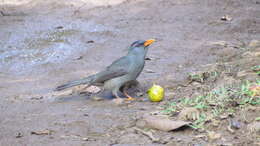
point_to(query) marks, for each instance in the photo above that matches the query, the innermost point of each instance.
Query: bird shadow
(82, 96)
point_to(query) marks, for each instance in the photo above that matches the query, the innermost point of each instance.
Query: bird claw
(130, 99)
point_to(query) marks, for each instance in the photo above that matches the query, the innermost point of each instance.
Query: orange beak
(148, 42)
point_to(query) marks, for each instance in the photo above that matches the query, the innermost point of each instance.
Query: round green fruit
(156, 93)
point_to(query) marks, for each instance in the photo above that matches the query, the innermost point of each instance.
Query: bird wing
(118, 68)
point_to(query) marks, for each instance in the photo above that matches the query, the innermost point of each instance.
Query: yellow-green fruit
(156, 93)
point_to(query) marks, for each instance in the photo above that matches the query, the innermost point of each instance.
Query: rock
(254, 44)
(213, 135)
(201, 76)
(139, 94)
(59, 27)
(234, 124)
(215, 122)
(251, 54)
(118, 101)
(225, 116)
(63, 92)
(226, 18)
(19, 135)
(149, 71)
(90, 41)
(198, 145)
(93, 89)
(197, 77)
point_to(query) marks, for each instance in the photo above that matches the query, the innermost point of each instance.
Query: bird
(118, 76)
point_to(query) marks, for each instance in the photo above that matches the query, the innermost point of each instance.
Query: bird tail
(87, 80)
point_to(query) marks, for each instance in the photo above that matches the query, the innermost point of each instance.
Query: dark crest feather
(138, 43)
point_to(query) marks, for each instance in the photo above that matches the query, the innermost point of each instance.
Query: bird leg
(127, 95)
(117, 100)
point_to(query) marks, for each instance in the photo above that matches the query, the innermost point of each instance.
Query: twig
(148, 134)
(230, 129)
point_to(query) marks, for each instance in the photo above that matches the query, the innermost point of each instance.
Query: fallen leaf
(255, 90)
(189, 113)
(164, 124)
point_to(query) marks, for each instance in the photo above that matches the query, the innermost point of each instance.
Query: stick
(148, 134)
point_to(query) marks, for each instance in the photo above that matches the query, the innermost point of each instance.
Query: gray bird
(122, 72)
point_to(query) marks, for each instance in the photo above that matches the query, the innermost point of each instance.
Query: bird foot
(130, 98)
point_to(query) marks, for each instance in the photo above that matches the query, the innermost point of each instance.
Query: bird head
(140, 45)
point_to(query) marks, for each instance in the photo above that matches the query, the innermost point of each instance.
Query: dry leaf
(255, 90)
(189, 113)
(163, 124)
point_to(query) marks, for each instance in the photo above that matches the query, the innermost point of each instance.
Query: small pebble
(235, 124)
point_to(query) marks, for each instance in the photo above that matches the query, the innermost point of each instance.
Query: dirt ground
(45, 43)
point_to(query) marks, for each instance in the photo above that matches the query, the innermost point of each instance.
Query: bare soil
(46, 43)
